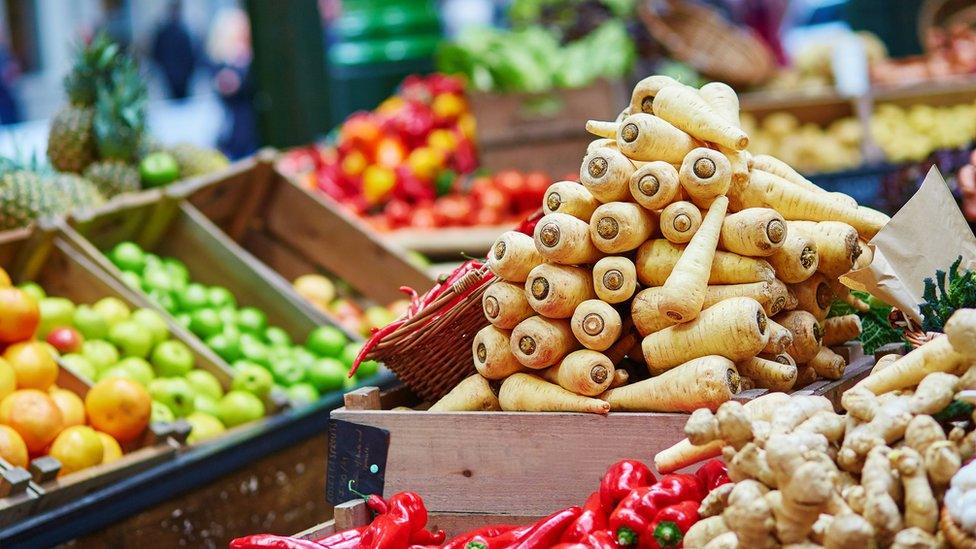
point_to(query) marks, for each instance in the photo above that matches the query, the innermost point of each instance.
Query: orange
(8, 379)
(33, 365)
(4, 279)
(34, 415)
(112, 450)
(119, 407)
(71, 406)
(19, 315)
(12, 447)
(77, 448)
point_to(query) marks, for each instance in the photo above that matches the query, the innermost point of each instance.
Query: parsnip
(757, 232)
(828, 364)
(837, 244)
(563, 239)
(705, 174)
(642, 98)
(655, 185)
(683, 107)
(796, 260)
(529, 393)
(492, 352)
(679, 221)
(771, 295)
(656, 260)
(505, 304)
(807, 334)
(618, 227)
(583, 372)
(723, 100)
(814, 296)
(646, 314)
(614, 279)
(512, 256)
(606, 172)
(735, 328)
(555, 291)
(779, 339)
(841, 329)
(645, 137)
(705, 382)
(473, 394)
(936, 355)
(596, 324)
(539, 342)
(569, 197)
(768, 374)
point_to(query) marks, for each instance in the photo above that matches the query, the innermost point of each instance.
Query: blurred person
(10, 112)
(229, 50)
(172, 50)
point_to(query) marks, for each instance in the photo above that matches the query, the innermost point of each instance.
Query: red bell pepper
(669, 526)
(576, 545)
(590, 520)
(635, 512)
(459, 542)
(270, 541)
(344, 539)
(547, 531)
(393, 529)
(425, 537)
(602, 539)
(620, 479)
(686, 487)
(712, 474)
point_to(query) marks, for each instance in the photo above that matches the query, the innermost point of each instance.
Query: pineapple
(80, 192)
(70, 145)
(120, 114)
(26, 196)
(194, 160)
(113, 177)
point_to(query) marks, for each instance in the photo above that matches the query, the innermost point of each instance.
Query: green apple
(349, 353)
(239, 407)
(34, 290)
(112, 309)
(302, 393)
(276, 336)
(205, 404)
(80, 365)
(153, 322)
(131, 339)
(377, 317)
(253, 379)
(252, 349)
(193, 297)
(158, 169)
(349, 383)
(153, 260)
(327, 374)
(128, 256)
(303, 356)
(326, 341)
(178, 273)
(220, 297)
(184, 319)
(204, 426)
(164, 300)
(242, 363)
(139, 369)
(228, 315)
(225, 346)
(205, 384)
(156, 278)
(287, 372)
(55, 312)
(251, 319)
(116, 371)
(172, 359)
(101, 354)
(205, 323)
(174, 392)
(161, 413)
(90, 323)
(132, 280)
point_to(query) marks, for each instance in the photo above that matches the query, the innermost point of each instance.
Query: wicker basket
(957, 538)
(701, 37)
(431, 351)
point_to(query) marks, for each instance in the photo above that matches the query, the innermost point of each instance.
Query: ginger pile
(709, 269)
(805, 476)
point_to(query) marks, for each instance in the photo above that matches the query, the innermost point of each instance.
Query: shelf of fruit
(98, 146)
(408, 168)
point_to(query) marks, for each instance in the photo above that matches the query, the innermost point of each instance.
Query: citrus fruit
(34, 415)
(77, 448)
(71, 406)
(315, 288)
(33, 365)
(19, 315)
(111, 449)
(12, 447)
(4, 279)
(8, 379)
(119, 407)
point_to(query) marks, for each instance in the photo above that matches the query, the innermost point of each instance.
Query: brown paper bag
(927, 234)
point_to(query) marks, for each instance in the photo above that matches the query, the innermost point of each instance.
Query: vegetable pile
(532, 59)
(708, 268)
(876, 476)
(631, 507)
(807, 147)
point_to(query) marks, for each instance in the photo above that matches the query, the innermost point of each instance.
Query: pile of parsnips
(805, 476)
(724, 264)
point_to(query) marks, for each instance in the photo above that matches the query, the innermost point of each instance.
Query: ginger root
(801, 500)
(749, 516)
(716, 501)
(848, 530)
(729, 423)
(880, 507)
(914, 538)
(705, 530)
(921, 509)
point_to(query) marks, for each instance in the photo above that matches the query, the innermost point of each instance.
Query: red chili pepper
(505, 540)
(620, 479)
(712, 474)
(636, 511)
(352, 534)
(576, 545)
(669, 526)
(590, 520)
(491, 531)
(687, 487)
(547, 531)
(602, 539)
(270, 541)
(425, 537)
(393, 529)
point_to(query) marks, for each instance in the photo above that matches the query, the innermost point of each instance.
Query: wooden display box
(520, 463)
(295, 231)
(542, 131)
(45, 257)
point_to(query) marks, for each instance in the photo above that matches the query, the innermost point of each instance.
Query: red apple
(65, 339)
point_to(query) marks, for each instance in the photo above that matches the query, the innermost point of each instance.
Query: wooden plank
(471, 241)
(469, 461)
(351, 514)
(277, 255)
(365, 398)
(556, 157)
(340, 243)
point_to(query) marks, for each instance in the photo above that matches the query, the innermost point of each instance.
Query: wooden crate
(520, 463)
(542, 131)
(295, 231)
